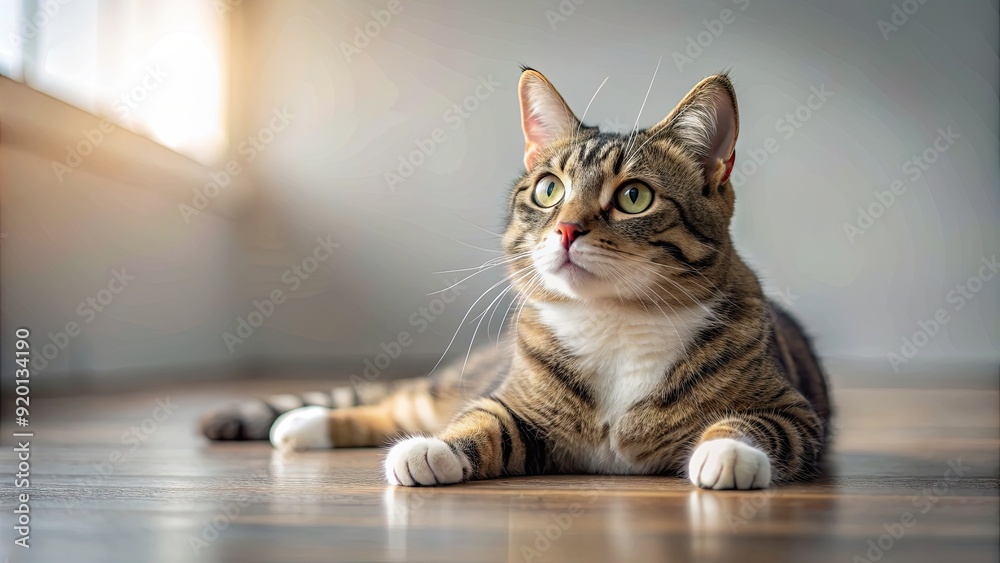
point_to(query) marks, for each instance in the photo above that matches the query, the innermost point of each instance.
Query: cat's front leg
(754, 450)
(487, 440)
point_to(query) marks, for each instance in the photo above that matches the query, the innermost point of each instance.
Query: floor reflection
(595, 525)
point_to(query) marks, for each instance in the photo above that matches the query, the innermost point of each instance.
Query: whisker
(646, 266)
(481, 269)
(693, 299)
(592, 98)
(616, 276)
(476, 226)
(482, 317)
(491, 262)
(654, 298)
(638, 117)
(476, 247)
(520, 295)
(527, 298)
(643, 260)
(507, 278)
(489, 323)
(638, 151)
(462, 322)
(620, 274)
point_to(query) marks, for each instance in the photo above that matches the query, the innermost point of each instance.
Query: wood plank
(893, 463)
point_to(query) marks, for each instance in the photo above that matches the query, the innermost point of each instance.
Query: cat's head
(641, 217)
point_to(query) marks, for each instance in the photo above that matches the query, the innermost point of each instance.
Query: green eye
(549, 191)
(634, 198)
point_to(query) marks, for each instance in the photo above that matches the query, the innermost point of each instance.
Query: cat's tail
(367, 413)
(252, 419)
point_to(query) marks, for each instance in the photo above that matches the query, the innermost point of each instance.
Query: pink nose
(570, 232)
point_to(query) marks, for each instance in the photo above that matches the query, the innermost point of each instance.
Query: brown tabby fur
(750, 374)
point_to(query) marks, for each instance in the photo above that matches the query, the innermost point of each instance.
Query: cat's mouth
(568, 273)
(578, 272)
(572, 269)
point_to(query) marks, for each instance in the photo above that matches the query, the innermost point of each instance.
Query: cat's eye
(549, 191)
(634, 198)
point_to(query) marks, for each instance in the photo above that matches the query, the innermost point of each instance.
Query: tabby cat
(644, 346)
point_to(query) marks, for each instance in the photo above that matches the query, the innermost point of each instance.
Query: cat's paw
(425, 461)
(725, 463)
(306, 428)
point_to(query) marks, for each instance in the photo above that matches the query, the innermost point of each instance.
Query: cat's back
(797, 359)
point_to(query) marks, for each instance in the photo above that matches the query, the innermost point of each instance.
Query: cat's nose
(570, 232)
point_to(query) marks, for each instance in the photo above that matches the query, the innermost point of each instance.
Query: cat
(644, 344)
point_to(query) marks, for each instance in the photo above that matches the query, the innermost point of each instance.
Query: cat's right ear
(545, 116)
(707, 122)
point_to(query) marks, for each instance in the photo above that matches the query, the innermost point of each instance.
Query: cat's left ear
(545, 116)
(707, 122)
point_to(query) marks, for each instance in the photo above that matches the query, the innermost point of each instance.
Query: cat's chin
(575, 274)
(575, 282)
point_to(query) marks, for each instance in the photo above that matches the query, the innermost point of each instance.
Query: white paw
(306, 428)
(729, 464)
(424, 461)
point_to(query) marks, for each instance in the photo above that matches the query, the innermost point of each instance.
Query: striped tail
(367, 413)
(252, 419)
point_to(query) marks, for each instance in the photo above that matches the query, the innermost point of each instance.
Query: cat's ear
(707, 122)
(545, 117)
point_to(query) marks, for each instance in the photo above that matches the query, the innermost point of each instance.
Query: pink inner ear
(729, 168)
(534, 139)
(723, 142)
(544, 115)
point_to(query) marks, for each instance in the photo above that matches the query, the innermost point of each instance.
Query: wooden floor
(920, 464)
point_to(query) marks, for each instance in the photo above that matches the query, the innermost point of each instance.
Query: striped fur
(645, 345)
(367, 413)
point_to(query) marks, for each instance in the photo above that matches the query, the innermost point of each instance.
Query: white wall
(359, 113)
(324, 174)
(96, 259)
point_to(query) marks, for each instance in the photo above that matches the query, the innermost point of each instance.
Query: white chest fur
(624, 354)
